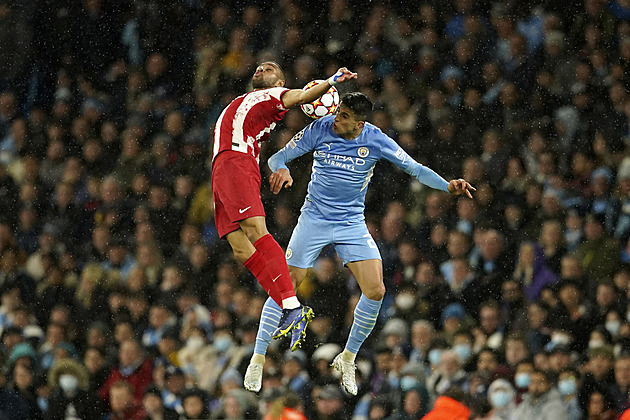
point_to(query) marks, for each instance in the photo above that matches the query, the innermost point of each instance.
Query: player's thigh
(357, 249)
(307, 240)
(353, 242)
(221, 216)
(236, 185)
(369, 275)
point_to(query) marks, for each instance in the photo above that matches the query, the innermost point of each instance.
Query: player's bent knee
(254, 231)
(241, 255)
(297, 276)
(375, 293)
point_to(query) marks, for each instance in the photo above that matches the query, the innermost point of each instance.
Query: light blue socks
(269, 320)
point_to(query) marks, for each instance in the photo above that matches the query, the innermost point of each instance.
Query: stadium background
(106, 230)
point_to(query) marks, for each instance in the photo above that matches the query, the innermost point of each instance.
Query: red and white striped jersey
(248, 120)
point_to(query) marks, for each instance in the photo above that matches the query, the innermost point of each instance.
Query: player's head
(354, 109)
(267, 75)
(359, 104)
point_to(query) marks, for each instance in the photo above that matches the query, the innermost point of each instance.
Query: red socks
(276, 266)
(256, 264)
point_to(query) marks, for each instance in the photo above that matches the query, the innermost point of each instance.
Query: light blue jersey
(342, 168)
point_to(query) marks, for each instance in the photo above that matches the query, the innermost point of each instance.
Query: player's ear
(279, 83)
(360, 125)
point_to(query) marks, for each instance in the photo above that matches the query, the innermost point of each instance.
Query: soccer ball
(325, 105)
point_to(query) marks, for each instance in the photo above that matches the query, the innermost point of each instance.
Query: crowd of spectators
(118, 301)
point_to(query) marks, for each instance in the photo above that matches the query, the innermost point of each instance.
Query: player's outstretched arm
(298, 96)
(460, 186)
(278, 179)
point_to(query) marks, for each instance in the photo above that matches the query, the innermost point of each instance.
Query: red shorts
(235, 190)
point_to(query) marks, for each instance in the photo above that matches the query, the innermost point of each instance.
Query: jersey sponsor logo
(363, 152)
(288, 254)
(329, 157)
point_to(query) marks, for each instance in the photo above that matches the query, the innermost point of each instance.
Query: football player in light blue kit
(345, 150)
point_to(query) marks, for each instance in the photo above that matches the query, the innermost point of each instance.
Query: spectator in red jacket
(133, 367)
(449, 406)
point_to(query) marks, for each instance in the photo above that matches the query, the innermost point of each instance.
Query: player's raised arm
(298, 96)
(395, 154)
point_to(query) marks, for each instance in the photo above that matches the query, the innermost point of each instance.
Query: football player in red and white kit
(238, 209)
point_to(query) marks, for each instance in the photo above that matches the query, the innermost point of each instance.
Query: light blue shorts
(352, 241)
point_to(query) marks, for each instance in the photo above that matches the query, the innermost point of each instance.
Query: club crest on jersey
(288, 254)
(363, 152)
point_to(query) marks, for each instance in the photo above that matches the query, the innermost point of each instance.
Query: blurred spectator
(329, 403)
(153, 407)
(541, 401)
(195, 404)
(132, 368)
(621, 386)
(532, 271)
(448, 373)
(294, 377)
(597, 246)
(288, 407)
(70, 393)
(450, 405)
(23, 383)
(568, 386)
(123, 405)
(501, 396)
(599, 406)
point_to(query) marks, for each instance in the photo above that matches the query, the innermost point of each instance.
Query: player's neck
(353, 134)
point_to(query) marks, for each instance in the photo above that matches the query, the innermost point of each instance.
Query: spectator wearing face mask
(568, 385)
(522, 378)
(501, 396)
(542, 402)
(70, 397)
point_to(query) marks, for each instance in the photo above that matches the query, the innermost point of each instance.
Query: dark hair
(359, 103)
(292, 400)
(526, 361)
(457, 394)
(498, 357)
(541, 372)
